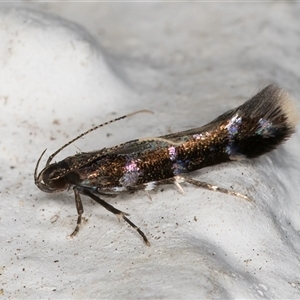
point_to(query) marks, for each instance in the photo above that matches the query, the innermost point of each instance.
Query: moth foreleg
(210, 187)
(79, 208)
(119, 214)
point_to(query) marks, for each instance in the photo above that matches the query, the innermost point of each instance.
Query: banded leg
(210, 187)
(79, 208)
(119, 214)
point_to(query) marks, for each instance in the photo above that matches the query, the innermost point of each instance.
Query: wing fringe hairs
(268, 119)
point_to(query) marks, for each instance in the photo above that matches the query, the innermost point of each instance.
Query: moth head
(48, 179)
(49, 184)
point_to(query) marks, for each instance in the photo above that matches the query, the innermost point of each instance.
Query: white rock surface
(68, 66)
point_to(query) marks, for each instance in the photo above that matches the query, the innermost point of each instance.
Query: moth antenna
(92, 129)
(37, 166)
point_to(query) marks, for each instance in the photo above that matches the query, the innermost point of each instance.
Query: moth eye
(58, 183)
(47, 172)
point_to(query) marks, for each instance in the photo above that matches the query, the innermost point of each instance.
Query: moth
(248, 131)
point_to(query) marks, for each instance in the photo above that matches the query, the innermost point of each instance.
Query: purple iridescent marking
(172, 153)
(233, 129)
(132, 166)
(131, 174)
(130, 179)
(179, 167)
(233, 125)
(266, 128)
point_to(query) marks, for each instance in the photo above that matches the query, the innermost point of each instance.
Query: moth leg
(172, 180)
(119, 214)
(148, 195)
(179, 187)
(211, 187)
(79, 208)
